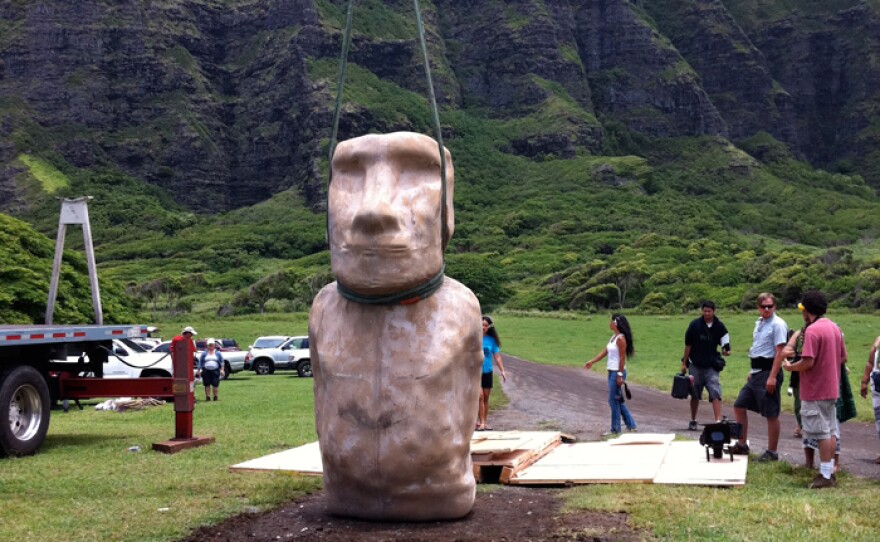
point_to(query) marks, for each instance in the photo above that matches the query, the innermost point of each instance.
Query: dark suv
(224, 345)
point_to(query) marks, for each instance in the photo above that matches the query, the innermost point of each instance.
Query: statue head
(384, 208)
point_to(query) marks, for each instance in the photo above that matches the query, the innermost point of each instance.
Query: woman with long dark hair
(491, 353)
(618, 350)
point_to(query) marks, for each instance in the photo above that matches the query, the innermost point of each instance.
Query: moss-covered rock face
(821, 55)
(216, 101)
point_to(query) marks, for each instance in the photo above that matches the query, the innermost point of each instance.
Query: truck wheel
(24, 410)
(227, 371)
(304, 368)
(263, 367)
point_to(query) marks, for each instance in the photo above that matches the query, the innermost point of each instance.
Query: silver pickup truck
(279, 352)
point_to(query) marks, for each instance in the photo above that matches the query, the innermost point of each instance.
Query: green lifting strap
(429, 287)
(443, 226)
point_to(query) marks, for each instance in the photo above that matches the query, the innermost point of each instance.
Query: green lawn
(85, 485)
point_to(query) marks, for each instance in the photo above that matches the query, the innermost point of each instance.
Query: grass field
(85, 485)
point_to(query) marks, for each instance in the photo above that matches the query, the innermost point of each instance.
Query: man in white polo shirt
(761, 391)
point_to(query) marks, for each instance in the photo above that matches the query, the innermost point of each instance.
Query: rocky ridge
(226, 103)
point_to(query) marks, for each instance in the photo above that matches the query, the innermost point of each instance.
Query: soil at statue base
(541, 398)
(507, 513)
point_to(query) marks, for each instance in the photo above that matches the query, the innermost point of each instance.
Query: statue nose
(375, 218)
(375, 211)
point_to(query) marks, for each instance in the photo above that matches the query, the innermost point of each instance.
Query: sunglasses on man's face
(766, 307)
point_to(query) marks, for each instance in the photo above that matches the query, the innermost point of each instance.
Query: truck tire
(264, 367)
(24, 411)
(304, 368)
(227, 371)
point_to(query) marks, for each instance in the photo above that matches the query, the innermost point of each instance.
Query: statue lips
(375, 250)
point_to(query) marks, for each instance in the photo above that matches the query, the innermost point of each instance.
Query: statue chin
(382, 280)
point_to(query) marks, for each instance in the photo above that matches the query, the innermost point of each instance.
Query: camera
(716, 437)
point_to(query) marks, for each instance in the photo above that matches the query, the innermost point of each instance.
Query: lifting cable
(429, 287)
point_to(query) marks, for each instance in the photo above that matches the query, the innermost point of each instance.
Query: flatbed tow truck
(35, 374)
(43, 364)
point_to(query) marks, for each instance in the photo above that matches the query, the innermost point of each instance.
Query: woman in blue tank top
(491, 353)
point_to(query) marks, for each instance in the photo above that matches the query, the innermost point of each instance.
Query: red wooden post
(182, 352)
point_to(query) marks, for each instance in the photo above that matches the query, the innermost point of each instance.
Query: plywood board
(595, 463)
(656, 460)
(604, 453)
(305, 459)
(685, 463)
(681, 462)
(585, 474)
(499, 442)
(642, 438)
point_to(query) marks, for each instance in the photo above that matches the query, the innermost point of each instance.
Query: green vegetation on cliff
(671, 159)
(24, 282)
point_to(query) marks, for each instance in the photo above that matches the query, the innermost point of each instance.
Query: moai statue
(396, 346)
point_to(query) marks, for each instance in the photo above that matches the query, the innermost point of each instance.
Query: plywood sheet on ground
(595, 463)
(305, 459)
(642, 438)
(660, 461)
(685, 463)
(605, 453)
(656, 460)
(512, 448)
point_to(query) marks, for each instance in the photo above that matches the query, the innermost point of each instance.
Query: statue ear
(450, 191)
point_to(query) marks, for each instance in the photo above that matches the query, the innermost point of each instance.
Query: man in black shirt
(701, 340)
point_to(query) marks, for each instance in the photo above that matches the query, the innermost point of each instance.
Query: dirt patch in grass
(506, 513)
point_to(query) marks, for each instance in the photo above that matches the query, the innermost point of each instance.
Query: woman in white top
(211, 369)
(618, 349)
(872, 372)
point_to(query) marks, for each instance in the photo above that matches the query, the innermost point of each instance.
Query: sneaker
(215, 398)
(610, 434)
(632, 429)
(820, 482)
(739, 449)
(692, 425)
(768, 456)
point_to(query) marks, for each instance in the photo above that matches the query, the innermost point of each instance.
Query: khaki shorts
(819, 419)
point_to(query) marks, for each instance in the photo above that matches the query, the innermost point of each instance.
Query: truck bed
(18, 335)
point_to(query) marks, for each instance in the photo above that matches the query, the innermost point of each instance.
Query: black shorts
(753, 396)
(211, 377)
(486, 381)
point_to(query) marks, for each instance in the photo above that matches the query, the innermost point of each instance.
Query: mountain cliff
(224, 103)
